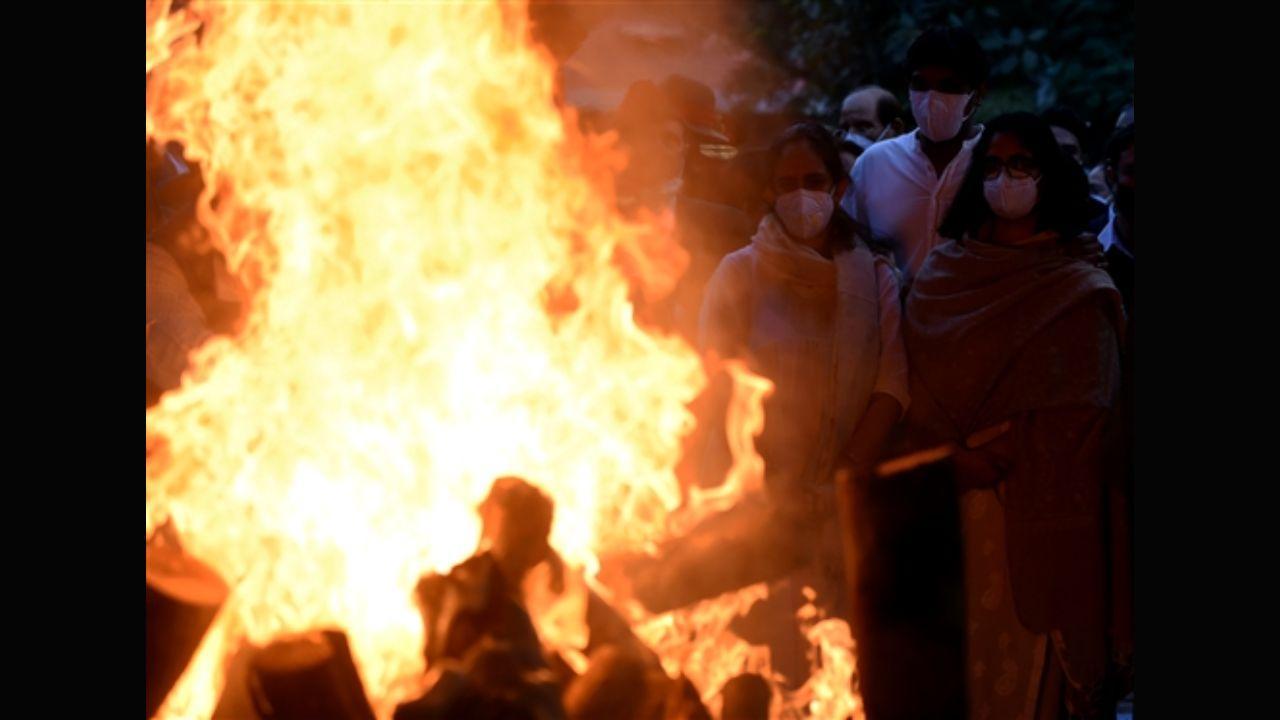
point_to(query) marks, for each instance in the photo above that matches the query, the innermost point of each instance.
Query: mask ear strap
(968, 100)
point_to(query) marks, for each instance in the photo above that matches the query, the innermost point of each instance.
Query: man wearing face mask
(867, 115)
(902, 188)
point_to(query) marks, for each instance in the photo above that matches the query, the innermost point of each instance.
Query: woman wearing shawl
(813, 309)
(1006, 331)
(817, 312)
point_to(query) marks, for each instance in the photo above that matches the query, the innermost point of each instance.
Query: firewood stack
(484, 653)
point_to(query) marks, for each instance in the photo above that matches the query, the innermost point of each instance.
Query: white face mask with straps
(1011, 198)
(939, 115)
(805, 213)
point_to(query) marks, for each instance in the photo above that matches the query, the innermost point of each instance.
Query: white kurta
(827, 333)
(899, 195)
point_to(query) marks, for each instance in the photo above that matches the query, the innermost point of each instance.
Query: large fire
(432, 249)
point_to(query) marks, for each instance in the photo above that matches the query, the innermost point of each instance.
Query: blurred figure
(649, 128)
(682, 162)
(1074, 137)
(1071, 132)
(903, 187)
(707, 147)
(190, 293)
(175, 323)
(1117, 238)
(1098, 175)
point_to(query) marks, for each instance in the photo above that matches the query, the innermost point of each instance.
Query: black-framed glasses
(1017, 166)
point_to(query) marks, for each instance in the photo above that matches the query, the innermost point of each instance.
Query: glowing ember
(434, 260)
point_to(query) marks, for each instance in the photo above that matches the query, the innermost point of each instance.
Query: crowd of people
(958, 285)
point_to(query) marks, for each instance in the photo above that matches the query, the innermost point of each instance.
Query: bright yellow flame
(828, 692)
(433, 258)
(697, 642)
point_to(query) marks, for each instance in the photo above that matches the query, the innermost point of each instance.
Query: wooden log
(450, 693)
(183, 597)
(472, 602)
(905, 581)
(747, 544)
(235, 703)
(308, 677)
(490, 684)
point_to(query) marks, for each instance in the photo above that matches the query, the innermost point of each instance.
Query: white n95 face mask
(1011, 198)
(805, 213)
(939, 115)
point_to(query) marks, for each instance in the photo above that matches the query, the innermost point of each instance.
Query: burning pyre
(438, 299)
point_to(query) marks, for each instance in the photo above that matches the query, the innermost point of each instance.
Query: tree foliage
(1077, 53)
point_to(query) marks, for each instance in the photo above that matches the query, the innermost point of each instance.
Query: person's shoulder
(739, 260)
(1101, 310)
(735, 267)
(733, 276)
(886, 150)
(1097, 298)
(884, 159)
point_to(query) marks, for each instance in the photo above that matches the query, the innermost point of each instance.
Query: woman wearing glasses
(1009, 336)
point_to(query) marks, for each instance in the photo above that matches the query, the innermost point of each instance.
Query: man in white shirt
(902, 188)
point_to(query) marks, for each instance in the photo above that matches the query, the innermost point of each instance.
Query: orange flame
(433, 257)
(697, 641)
(828, 692)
